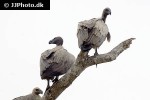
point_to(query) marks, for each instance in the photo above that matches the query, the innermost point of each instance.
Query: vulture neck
(34, 93)
(104, 16)
(58, 44)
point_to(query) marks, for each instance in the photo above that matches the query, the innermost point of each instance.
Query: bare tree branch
(82, 62)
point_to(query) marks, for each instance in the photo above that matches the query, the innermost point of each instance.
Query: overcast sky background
(24, 35)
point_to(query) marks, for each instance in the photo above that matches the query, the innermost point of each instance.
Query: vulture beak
(109, 13)
(51, 42)
(41, 92)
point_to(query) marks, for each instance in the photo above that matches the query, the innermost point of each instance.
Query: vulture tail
(96, 65)
(108, 37)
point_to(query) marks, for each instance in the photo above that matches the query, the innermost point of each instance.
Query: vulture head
(37, 91)
(106, 11)
(57, 40)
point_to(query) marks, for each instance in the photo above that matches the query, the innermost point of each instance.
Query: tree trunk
(82, 62)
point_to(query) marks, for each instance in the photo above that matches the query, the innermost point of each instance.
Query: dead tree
(80, 65)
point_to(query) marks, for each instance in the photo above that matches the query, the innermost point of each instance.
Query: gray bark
(82, 62)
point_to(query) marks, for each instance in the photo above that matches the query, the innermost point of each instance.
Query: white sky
(24, 35)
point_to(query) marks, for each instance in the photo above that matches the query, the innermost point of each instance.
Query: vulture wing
(88, 23)
(84, 29)
(92, 32)
(58, 63)
(99, 33)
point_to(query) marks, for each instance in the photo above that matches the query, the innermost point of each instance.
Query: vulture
(92, 33)
(55, 62)
(33, 96)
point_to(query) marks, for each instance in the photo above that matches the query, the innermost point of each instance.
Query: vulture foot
(55, 80)
(96, 53)
(48, 87)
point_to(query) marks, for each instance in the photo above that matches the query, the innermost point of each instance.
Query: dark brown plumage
(92, 33)
(55, 62)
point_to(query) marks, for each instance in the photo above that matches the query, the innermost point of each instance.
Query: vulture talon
(47, 88)
(55, 80)
(95, 54)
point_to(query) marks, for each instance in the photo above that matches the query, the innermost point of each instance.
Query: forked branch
(80, 65)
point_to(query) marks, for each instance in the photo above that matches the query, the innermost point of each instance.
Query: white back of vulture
(28, 97)
(60, 61)
(32, 96)
(93, 31)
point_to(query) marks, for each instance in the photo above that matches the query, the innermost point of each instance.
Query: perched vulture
(33, 96)
(92, 33)
(55, 62)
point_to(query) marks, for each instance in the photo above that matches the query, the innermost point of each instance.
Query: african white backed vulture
(33, 96)
(92, 33)
(55, 62)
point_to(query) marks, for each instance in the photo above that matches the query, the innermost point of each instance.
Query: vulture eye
(36, 89)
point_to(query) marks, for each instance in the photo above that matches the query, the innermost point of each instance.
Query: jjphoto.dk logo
(27, 5)
(24, 4)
